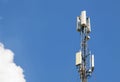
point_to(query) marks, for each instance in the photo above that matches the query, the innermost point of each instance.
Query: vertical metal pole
(84, 53)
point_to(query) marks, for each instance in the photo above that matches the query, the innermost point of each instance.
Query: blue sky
(43, 36)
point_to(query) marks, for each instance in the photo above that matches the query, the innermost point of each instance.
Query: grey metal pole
(84, 53)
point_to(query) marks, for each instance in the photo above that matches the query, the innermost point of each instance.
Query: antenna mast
(84, 58)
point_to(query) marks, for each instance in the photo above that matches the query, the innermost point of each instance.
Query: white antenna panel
(78, 58)
(83, 18)
(78, 24)
(88, 25)
(92, 61)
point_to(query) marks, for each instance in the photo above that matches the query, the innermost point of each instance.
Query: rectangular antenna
(83, 18)
(78, 24)
(78, 58)
(88, 25)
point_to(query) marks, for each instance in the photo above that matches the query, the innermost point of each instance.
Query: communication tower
(84, 58)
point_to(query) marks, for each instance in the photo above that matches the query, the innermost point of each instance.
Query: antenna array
(84, 58)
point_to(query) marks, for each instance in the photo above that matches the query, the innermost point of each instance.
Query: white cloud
(9, 71)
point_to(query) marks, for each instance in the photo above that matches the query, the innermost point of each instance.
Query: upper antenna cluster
(83, 22)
